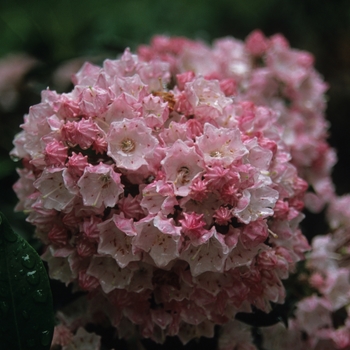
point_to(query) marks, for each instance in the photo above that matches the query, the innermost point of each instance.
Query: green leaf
(26, 310)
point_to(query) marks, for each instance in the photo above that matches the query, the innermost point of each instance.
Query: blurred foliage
(56, 31)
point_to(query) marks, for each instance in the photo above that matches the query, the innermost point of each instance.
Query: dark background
(56, 31)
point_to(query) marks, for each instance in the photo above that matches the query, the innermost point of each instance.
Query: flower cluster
(269, 73)
(167, 185)
(322, 318)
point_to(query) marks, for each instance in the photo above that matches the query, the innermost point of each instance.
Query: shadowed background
(54, 32)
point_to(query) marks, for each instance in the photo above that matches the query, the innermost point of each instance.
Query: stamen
(273, 234)
(161, 84)
(216, 154)
(96, 200)
(127, 145)
(197, 252)
(182, 175)
(105, 179)
(53, 191)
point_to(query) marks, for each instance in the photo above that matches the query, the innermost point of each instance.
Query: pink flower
(236, 335)
(336, 288)
(133, 87)
(87, 282)
(129, 143)
(181, 165)
(89, 227)
(76, 164)
(184, 78)
(199, 189)
(174, 132)
(204, 95)
(158, 237)
(223, 215)
(58, 235)
(93, 100)
(119, 109)
(228, 146)
(84, 340)
(169, 187)
(109, 274)
(341, 338)
(291, 66)
(254, 233)
(256, 204)
(24, 188)
(339, 212)
(155, 112)
(59, 265)
(87, 75)
(124, 67)
(313, 313)
(210, 255)
(193, 225)
(234, 61)
(82, 133)
(256, 43)
(116, 239)
(99, 185)
(62, 335)
(56, 153)
(154, 73)
(54, 193)
(228, 87)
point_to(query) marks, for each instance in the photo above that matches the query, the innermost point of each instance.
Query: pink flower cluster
(168, 184)
(267, 72)
(323, 316)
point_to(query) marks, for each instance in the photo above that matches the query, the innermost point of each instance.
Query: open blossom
(181, 165)
(260, 203)
(116, 237)
(54, 193)
(129, 142)
(99, 185)
(227, 147)
(313, 313)
(155, 111)
(160, 238)
(164, 186)
(205, 94)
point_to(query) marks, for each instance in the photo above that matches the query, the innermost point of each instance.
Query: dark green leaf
(26, 310)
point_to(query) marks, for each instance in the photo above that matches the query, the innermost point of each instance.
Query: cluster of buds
(169, 185)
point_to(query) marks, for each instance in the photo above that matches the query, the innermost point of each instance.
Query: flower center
(216, 154)
(105, 179)
(127, 145)
(182, 175)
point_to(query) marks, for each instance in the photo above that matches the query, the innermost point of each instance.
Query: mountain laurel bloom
(168, 185)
